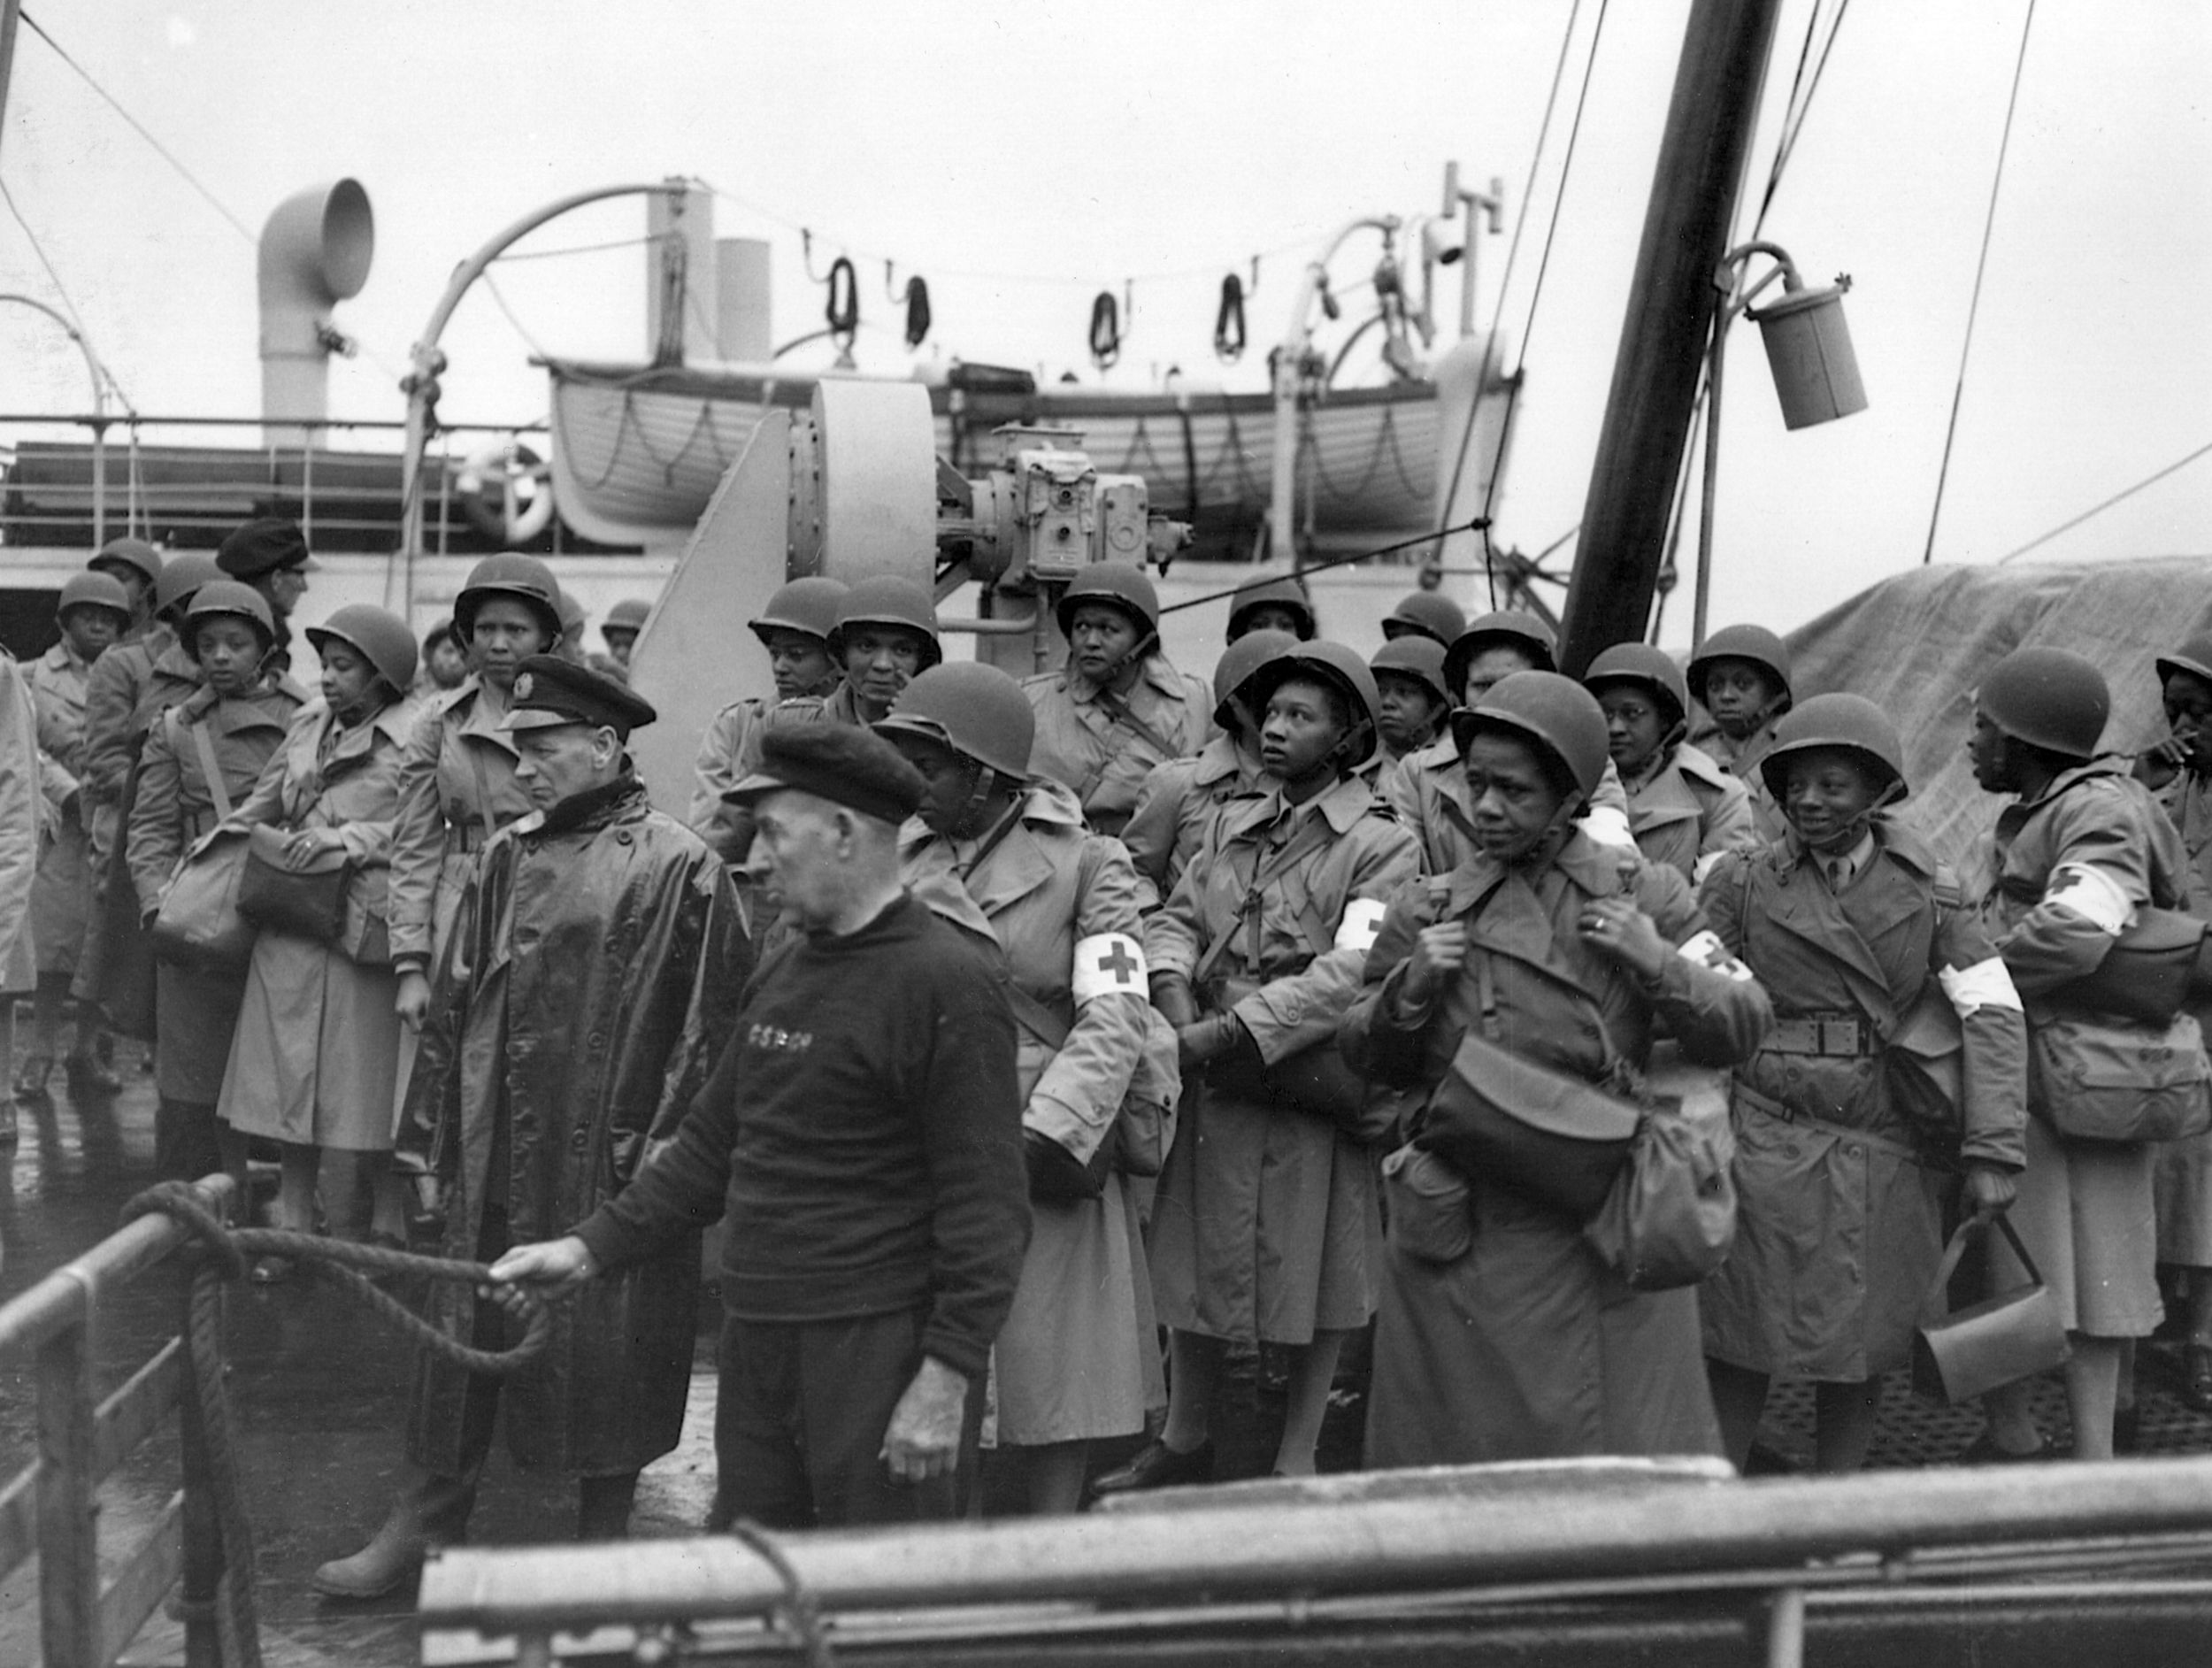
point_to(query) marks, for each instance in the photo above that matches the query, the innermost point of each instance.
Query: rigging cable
(83, 335)
(1536, 296)
(1981, 265)
(2099, 509)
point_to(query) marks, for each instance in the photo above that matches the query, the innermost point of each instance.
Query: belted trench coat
(1104, 751)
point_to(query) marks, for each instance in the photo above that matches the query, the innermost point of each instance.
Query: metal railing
(51, 1507)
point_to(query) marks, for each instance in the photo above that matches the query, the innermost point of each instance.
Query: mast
(1670, 306)
(9, 10)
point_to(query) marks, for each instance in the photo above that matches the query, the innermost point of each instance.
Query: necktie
(1839, 872)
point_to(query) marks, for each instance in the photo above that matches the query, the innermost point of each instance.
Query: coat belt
(1845, 1034)
(1743, 1094)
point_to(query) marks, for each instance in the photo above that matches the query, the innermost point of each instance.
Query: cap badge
(523, 685)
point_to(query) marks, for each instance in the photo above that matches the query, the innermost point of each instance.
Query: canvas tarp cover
(1920, 644)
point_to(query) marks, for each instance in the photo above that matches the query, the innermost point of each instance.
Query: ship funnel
(315, 253)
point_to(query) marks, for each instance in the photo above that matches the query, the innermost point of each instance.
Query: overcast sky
(1022, 157)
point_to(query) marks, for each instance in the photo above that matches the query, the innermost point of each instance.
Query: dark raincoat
(596, 964)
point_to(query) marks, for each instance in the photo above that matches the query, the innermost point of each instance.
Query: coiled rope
(223, 1251)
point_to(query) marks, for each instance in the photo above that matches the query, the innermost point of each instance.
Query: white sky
(1080, 144)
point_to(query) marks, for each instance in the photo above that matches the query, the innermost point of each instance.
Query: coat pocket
(1429, 1204)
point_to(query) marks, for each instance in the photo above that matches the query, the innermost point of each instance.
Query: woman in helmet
(1683, 808)
(1117, 708)
(1271, 601)
(1503, 1333)
(95, 613)
(1410, 679)
(795, 629)
(314, 1061)
(1010, 860)
(202, 758)
(2082, 848)
(1180, 796)
(1843, 1172)
(1265, 1228)
(2182, 764)
(457, 784)
(1740, 675)
(1429, 614)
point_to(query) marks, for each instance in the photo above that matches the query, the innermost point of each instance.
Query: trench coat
(1429, 795)
(1265, 1225)
(1687, 809)
(1839, 1218)
(1178, 800)
(20, 811)
(1083, 743)
(61, 896)
(315, 1057)
(457, 754)
(596, 970)
(1528, 1345)
(2087, 1211)
(1079, 1349)
(196, 1009)
(2183, 1177)
(1741, 759)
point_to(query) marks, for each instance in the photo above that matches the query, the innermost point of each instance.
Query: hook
(806, 248)
(1252, 289)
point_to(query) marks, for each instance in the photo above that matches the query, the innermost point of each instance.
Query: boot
(430, 1510)
(603, 1506)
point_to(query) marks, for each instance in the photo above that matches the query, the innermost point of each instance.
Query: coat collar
(1155, 671)
(1023, 861)
(2107, 766)
(1341, 806)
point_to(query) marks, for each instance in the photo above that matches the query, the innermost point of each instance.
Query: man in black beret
(864, 1133)
(271, 555)
(597, 963)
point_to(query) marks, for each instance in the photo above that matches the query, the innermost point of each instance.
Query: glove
(1058, 1176)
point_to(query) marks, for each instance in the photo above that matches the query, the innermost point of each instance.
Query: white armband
(1608, 825)
(1986, 984)
(2083, 889)
(1106, 964)
(1706, 949)
(1362, 922)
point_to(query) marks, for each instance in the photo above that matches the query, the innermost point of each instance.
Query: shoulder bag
(197, 922)
(1669, 1218)
(304, 898)
(2093, 1078)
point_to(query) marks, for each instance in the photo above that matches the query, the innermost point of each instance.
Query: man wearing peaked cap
(862, 1135)
(599, 963)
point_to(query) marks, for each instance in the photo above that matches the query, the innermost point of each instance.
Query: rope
(1334, 561)
(2099, 509)
(1981, 265)
(799, 1611)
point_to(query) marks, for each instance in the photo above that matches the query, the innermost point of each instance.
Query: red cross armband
(1107, 965)
(1362, 920)
(1706, 949)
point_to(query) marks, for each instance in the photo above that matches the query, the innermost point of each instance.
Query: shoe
(1159, 1466)
(1984, 1451)
(271, 1271)
(87, 1076)
(2127, 1429)
(2196, 1376)
(379, 1567)
(30, 1077)
(1762, 1461)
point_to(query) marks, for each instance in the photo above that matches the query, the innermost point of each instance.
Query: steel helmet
(974, 709)
(2047, 698)
(381, 638)
(1507, 627)
(508, 574)
(573, 618)
(2193, 657)
(1239, 661)
(1427, 614)
(628, 615)
(1335, 664)
(808, 606)
(221, 598)
(1270, 590)
(1850, 722)
(886, 599)
(1555, 712)
(94, 589)
(1416, 656)
(1118, 585)
(132, 553)
(1641, 662)
(181, 576)
(1755, 643)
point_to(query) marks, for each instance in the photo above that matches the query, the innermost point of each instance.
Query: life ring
(506, 492)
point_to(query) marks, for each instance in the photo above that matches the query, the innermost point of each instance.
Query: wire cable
(511, 258)
(528, 340)
(1800, 103)
(62, 290)
(139, 127)
(2099, 509)
(1981, 265)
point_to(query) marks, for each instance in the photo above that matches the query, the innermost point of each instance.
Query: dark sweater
(864, 1127)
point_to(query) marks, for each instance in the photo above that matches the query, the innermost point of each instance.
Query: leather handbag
(198, 922)
(1962, 1354)
(305, 898)
(1669, 1218)
(2096, 1080)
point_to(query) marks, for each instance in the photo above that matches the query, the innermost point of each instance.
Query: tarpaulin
(1920, 644)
